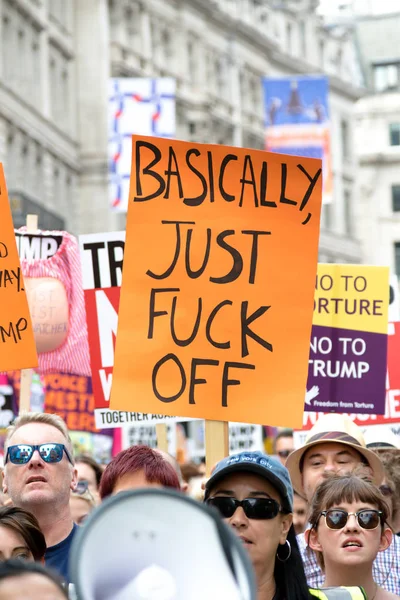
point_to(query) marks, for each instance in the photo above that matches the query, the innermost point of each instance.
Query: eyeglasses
(82, 486)
(254, 508)
(82, 491)
(367, 518)
(21, 454)
(284, 453)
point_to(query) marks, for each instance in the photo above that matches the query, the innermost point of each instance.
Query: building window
(289, 37)
(166, 42)
(321, 45)
(348, 220)
(303, 39)
(386, 77)
(327, 216)
(396, 198)
(344, 132)
(191, 61)
(397, 258)
(394, 129)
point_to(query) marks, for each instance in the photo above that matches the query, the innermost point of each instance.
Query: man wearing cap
(336, 444)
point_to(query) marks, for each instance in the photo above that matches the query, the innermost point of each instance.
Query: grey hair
(36, 417)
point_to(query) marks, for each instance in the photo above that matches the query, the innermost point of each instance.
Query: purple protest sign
(348, 346)
(347, 371)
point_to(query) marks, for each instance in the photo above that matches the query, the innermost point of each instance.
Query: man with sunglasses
(336, 445)
(284, 444)
(39, 474)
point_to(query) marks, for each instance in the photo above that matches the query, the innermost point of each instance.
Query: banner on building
(141, 106)
(348, 348)
(211, 311)
(297, 120)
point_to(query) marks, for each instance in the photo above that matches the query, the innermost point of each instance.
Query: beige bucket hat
(341, 430)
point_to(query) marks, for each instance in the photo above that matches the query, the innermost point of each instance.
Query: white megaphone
(157, 544)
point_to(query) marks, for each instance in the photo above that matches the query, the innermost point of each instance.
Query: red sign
(102, 256)
(102, 313)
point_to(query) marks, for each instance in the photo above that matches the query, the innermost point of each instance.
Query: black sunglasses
(21, 454)
(254, 508)
(284, 453)
(367, 518)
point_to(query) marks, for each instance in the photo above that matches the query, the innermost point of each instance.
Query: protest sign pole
(162, 440)
(217, 443)
(26, 374)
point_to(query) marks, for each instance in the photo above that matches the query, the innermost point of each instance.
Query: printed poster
(348, 348)
(142, 106)
(298, 122)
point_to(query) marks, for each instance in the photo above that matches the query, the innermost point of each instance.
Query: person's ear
(286, 523)
(386, 539)
(74, 479)
(311, 537)
(184, 487)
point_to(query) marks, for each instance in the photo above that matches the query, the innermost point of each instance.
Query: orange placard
(17, 344)
(218, 283)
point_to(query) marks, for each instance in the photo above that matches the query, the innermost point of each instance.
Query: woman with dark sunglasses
(254, 494)
(348, 517)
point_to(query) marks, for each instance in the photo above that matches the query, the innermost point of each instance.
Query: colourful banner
(71, 397)
(50, 263)
(348, 348)
(17, 342)
(141, 106)
(211, 313)
(297, 120)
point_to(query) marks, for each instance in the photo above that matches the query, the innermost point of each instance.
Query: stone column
(92, 212)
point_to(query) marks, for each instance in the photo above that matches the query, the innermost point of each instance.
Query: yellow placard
(354, 297)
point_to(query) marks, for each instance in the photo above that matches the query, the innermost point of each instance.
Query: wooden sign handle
(26, 374)
(162, 439)
(217, 443)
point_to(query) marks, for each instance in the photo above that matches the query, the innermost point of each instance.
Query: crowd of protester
(321, 517)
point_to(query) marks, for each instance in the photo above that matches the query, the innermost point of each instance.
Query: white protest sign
(243, 436)
(146, 434)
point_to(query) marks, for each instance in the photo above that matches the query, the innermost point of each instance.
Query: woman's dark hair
(289, 575)
(90, 462)
(18, 568)
(290, 579)
(26, 525)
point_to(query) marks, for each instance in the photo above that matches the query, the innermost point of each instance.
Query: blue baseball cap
(260, 464)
